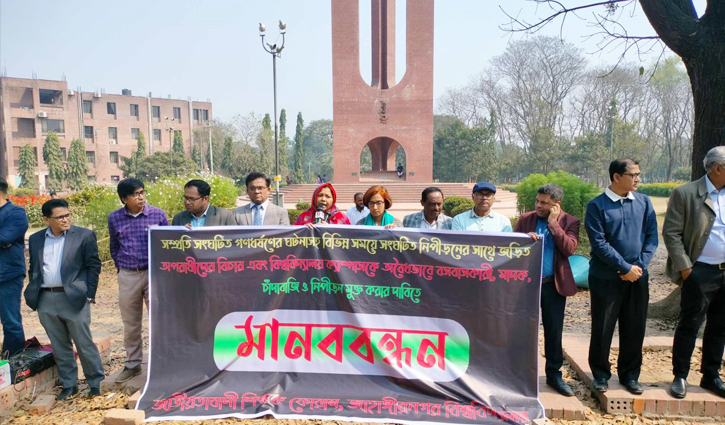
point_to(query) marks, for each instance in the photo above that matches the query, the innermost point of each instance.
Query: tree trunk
(708, 89)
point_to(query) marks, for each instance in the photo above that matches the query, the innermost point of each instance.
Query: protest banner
(343, 323)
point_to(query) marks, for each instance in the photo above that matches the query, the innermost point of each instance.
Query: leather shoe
(678, 389)
(715, 385)
(560, 386)
(67, 392)
(633, 387)
(600, 385)
(94, 392)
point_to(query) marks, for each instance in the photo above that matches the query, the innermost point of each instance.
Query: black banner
(343, 322)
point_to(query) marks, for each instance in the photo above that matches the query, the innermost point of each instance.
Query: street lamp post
(169, 126)
(275, 51)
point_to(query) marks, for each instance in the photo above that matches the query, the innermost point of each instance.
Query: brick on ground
(124, 417)
(131, 402)
(42, 404)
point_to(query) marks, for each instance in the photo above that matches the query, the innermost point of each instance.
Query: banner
(343, 323)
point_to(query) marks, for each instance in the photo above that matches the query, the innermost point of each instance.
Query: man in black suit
(199, 212)
(63, 277)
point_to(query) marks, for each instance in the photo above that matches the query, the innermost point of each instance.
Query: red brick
(698, 408)
(124, 417)
(638, 406)
(710, 407)
(720, 408)
(685, 407)
(673, 406)
(650, 406)
(131, 402)
(42, 405)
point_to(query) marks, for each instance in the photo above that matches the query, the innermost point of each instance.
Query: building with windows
(110, 124)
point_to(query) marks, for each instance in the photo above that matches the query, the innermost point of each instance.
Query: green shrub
(577, 193)
(168, 193)
(303, 206)
(293, 214)
(22, 191)
(451, 202)
(658, 189)
(461, 208)
(508, 187)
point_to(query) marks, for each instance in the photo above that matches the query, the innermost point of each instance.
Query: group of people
(621, 225)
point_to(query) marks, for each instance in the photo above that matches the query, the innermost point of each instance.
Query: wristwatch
(91, 300)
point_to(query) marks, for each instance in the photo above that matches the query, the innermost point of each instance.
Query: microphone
(320, 215)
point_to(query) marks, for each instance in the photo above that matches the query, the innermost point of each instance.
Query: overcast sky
(211, 48)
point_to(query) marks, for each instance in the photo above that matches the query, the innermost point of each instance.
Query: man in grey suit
(199, 212)
(63, 277)
(260, 211)
(694, 233)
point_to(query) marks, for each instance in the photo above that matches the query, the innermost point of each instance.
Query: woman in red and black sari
(323, 200)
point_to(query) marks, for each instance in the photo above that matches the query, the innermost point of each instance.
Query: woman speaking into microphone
(323, 209)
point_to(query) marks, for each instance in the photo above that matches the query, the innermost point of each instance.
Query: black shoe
(94, 392)
(600, 385)
(67, 392)
(715, 385)
(128, 373)
(560, 386)
(678, 389)
(633, 387)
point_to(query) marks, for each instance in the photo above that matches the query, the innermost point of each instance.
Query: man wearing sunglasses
(199, 212)
(63, 277)
(128, 228)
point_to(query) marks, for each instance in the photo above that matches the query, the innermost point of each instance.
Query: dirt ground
(106, 321)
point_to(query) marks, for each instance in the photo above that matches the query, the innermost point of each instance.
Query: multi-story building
(109, 124)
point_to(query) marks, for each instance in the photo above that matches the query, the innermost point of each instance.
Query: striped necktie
(257, 215)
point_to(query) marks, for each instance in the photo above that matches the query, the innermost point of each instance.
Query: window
(134, 110)
(115, 179)
(88, 130)
(111, 108)
(53, 125)
(177, 114)
(23, 128)
(87, 107)
(91, 157)
(135, 133)
(113, 135)
(51, 97)
(196, 115)
(156, 111)
(114, 157)
(65, 154)
(157, 135)
(206, 115)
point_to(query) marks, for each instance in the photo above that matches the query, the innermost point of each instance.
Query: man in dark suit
(63, 277)
(560, 232)
(260, 211)
(199, 212)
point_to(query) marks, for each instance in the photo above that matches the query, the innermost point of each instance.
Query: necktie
(257, 215)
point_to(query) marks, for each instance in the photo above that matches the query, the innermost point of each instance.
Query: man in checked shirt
(129, 230)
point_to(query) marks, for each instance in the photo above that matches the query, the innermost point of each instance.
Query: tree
(132, 165)
(77, 165)
(299, 157)
(265, 144)
(178, 142)
(227, 156)
(698, 40)
(458, 141)
(160, 164)
(217, 150)
(318, 148)
(283, 145)
(27, 163)
(53, 158)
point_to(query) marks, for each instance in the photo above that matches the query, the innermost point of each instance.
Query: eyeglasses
(376, 204)
(62, 217)
(481, 195)
(634, 176)
(137, 195)
(191, 200)
(256, 188)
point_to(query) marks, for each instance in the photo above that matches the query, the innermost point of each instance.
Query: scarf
(387, 219)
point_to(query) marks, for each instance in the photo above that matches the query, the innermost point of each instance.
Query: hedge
(452, 202)
(658, 189)
(577, 193)
(293, 214)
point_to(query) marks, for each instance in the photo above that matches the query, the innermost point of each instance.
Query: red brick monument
(383, 115)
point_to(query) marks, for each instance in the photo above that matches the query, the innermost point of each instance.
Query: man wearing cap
(481, 218)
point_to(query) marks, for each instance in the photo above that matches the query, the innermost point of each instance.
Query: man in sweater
(622, 229)
(13, 225)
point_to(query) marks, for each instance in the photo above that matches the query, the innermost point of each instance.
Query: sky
(211, 49)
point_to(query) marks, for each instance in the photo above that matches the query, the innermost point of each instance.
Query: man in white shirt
(358, 211)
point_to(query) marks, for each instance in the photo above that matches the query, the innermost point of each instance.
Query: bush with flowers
(168, 193)
(32, 205)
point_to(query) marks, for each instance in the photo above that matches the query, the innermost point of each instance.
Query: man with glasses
(694, 233)
(199, 212)
(64, 270)
(13, 225)
(260, 211)
(128, 228)
(482, 218)
(622, 230)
